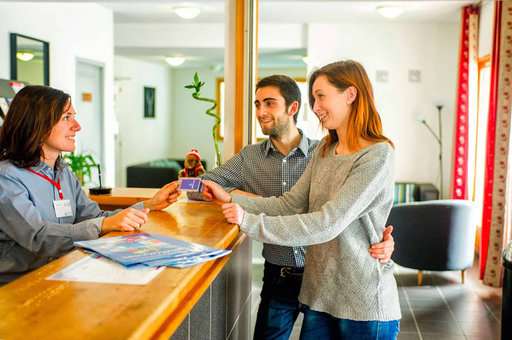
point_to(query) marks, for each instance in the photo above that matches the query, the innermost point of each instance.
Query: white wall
(165, 35)
(74, 31)
(141, 140)
(203, 35)
(486, 28)
(191, 127)
(430, 48)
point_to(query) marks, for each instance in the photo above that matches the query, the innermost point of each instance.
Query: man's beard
(277, 130)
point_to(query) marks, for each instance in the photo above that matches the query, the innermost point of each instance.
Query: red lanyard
(48, 179)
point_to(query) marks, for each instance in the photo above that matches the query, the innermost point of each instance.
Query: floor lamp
(439, 139)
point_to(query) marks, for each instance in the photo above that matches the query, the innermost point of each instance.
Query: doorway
(89, 107)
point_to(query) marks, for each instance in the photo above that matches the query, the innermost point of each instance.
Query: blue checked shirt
(262, 170)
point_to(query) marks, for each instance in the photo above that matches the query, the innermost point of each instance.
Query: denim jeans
(279, 306)
(319, 325)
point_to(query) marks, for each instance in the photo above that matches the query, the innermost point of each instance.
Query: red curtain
(468, 61)
(494, 221)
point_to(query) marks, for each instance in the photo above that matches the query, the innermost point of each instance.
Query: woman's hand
(129, 219)
(382, 251)
(167, 195)
(213, 191)
(233, 213)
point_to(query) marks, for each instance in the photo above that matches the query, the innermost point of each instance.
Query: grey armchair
(434, 235)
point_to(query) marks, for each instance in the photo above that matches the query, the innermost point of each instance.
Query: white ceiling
(270, 11)
(289, 11)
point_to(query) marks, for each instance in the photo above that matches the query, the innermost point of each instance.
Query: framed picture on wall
(149, 102)
(30, 59)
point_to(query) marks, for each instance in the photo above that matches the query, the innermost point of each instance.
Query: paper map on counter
(102, 270)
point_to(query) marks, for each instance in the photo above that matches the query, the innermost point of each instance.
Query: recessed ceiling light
(175, 61)
(24, 56)
(390, 12)
(187, 12)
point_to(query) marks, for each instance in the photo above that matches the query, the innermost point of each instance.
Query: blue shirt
(262, 170)
(30, 232)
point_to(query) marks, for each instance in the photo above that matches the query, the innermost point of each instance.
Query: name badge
(62, 208)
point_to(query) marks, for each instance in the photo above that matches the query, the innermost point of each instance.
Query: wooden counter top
(33, 307)
(123, 197)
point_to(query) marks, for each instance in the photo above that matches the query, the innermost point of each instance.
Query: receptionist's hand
(167, 195)
(233, 213)
(129, 219)
(212, 191)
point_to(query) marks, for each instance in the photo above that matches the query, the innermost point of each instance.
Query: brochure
(146, 248)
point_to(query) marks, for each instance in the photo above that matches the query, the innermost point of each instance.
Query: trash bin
(506, 303)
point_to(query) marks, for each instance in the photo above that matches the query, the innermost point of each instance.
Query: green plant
(81, 165)
(196, 86)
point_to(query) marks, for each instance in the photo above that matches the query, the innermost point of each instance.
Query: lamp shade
(175, 61)
(390, 12)
(187, 12)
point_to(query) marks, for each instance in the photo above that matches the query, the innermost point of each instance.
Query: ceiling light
(24, 56)
(390, 12)
(187, 12)
(175, 61)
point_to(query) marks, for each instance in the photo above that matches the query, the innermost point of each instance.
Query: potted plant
(81, 165)
(196, 86)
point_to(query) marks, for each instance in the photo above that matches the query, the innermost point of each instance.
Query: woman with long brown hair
(43, 208)
(338, 208)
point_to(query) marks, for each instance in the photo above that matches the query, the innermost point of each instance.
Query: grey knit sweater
(337, 209)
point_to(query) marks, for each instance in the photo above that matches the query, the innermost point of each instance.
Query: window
(477, 149)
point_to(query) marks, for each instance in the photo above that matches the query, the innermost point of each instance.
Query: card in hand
(191, 184)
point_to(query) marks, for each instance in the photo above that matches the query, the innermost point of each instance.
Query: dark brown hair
(32, 114)
(364, 120)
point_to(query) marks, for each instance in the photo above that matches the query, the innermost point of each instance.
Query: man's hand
(167, 195)
(233, 213)
(212, 191)
(129, 219)
(383, 250)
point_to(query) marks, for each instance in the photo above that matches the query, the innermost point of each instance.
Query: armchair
(434, 235)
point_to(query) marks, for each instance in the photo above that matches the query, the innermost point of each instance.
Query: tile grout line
(492, 313)
(412, 313)
(451, 311)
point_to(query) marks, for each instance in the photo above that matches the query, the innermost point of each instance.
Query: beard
(277, 130)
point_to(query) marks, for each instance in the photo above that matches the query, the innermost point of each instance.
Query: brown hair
(32, 114)
(364, 120)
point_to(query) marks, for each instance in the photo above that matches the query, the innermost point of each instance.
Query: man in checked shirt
(271, 168)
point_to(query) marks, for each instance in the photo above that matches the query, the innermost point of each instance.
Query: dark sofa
(156, 173)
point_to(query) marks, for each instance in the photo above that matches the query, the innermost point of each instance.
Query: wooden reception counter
(173, 303)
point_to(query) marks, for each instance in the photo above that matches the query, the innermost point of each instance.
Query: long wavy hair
(33, 113)
(364, 120)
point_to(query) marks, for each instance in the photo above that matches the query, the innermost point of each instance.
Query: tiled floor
(441, 309)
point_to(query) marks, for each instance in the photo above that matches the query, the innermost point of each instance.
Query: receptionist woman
(43, 208)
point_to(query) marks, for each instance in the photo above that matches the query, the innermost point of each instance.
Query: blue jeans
(319, 325)
(279, 306)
